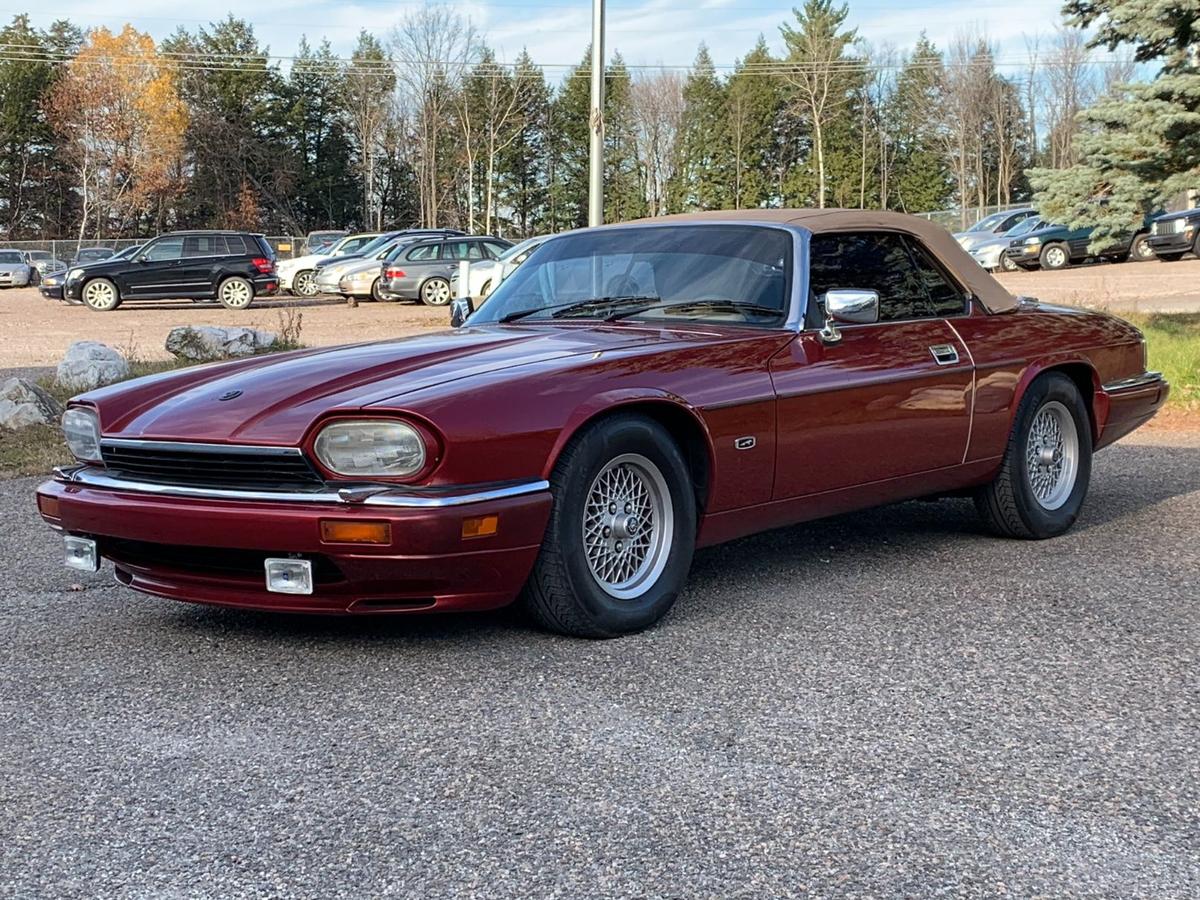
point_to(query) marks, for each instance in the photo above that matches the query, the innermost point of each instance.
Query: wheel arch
(1085, 378)
(680, 420)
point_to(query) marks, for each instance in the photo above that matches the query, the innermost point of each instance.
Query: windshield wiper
(740, 306)
(563, 309)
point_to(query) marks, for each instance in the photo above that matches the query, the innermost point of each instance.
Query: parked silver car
(485, 275)
(990, 254)
(45, 262)
(992, 226)
(423, 271)
(15, 271)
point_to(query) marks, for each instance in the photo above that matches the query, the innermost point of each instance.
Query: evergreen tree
(921, 178)
(702, 179)
(624, 187)
(523, 176)
(1140, 145)
(754, 103)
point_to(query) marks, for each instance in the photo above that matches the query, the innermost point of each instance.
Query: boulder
(23, 403)
(90, 364)
(205, 342)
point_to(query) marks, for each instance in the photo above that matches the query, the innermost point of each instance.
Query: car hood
(359, 265)
(13, 267)
(275, 399)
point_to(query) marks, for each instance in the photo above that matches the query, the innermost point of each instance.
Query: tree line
(107, 133)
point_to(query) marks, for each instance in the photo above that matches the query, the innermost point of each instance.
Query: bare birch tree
(658, 113)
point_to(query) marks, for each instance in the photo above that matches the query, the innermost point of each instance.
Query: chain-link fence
(67, 249)
(961, 218)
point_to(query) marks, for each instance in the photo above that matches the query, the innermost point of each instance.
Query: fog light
(481, 526)
(334, 531)
(289, 576)
(80, 553)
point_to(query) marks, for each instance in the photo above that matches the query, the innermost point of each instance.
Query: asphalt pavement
(889, 703)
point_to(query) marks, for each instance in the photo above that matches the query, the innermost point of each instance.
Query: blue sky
(647, 32)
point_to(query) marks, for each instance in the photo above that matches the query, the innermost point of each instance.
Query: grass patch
(1173, 348)
(34, 450)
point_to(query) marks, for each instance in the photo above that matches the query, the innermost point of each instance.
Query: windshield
(736, 274)
(989, 223)
(11, 256)
(518, 249)
(1024, 226)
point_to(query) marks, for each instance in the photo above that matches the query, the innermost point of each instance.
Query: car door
(154, 272)
(887, 400)
(202, 256)
(1078, 241)
(419, 263)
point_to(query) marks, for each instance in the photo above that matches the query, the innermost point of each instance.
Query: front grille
(213, 562)
(262, 468)
(1171, 226)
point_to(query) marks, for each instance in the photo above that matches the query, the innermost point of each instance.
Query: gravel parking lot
(884, 704)
(35, 331)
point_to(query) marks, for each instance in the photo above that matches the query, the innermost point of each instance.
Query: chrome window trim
(1146, 379)
(388, 496)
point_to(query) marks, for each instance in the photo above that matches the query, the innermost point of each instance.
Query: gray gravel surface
(887, 704)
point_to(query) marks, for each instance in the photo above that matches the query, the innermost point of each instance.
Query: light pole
(596, 120)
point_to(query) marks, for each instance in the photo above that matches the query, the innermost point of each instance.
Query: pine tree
(754, 103)
(921, 178)
(1141, 145)
(702, 175)
(624, 187)
(523, 179)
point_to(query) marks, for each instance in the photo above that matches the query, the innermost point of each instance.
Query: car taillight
(393, 272)
(264, 265)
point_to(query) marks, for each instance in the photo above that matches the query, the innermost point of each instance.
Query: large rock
(205, 342)
(90, 364)
(23, 403)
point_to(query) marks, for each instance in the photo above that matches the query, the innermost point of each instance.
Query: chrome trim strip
(187, 446)
(385, 496)
(974, 388)
(1146, 379)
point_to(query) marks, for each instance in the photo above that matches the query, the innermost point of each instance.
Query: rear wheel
(377, 290)
(101, 295)
(1055, 256)
(1047, 465)
(621, 534)
(235, 292)
(435, 292)
(304, 284)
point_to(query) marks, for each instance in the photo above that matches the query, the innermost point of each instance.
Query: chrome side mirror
(849, 306)
(460, 311)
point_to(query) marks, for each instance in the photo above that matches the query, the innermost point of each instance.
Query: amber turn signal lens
(348, 531)
(481, 526)
(49, 507)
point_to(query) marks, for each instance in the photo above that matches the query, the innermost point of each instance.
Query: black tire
(377, 291)
(304, 283)
(485, 290)
(562, 593)
(1170, 257)
(1006, 263)
(436, 292)
(1009, 504)
(1054, 256)
(235, 292)
(100, 295)
(1140, 250)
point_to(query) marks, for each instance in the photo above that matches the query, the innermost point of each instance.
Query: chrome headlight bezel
(373, 448)
(81, 431)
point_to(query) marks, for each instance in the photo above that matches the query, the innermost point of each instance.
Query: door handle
(944, 354)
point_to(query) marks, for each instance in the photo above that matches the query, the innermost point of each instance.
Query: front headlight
(1032, 242)
(81, 428)
(74, 273)
(364, 448)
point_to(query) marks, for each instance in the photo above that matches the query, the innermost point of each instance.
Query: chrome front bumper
(391, 496)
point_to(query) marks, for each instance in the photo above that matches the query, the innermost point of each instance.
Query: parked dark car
(91, 255)
(229, 266)
(1175, 234)
(423, 270)
(1057, 246)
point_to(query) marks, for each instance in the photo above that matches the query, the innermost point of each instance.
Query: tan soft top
(935, 239)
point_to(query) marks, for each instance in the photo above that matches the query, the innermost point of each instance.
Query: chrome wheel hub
(1052, 455)
(628, 526)
(235, 293)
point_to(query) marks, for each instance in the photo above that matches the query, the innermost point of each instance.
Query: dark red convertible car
(629, 394)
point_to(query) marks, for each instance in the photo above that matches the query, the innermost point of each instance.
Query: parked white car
(14, 270)
(297, 275)
(485, 275)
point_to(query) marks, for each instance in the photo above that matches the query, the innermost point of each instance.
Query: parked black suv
(230, 266)
(1175, 234)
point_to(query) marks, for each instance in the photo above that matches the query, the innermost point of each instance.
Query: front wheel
(621, 534)
(304, 284)
(1055, 256)
(235, 293)
(435, 292)
(1006, 263)
(101, 295)
(1047, 465)
(1141, 251)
